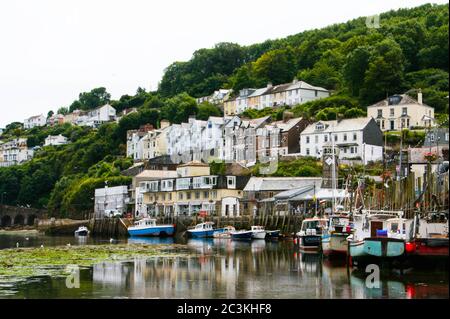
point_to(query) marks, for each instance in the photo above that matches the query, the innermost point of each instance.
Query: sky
(51, 50)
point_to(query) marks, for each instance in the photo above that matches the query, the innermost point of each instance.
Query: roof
(305, 86)
(194, 163)
(286, 126)
(356, 124)
(402, 99)
(157, 174)
(258, 92)
(280, 183)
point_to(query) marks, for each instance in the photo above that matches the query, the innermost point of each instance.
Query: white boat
(258, 232)
(379, 235)
(147, 227)
(203, 230)
(82, 231)
(310, 235)
(224, 233)
(334, 239)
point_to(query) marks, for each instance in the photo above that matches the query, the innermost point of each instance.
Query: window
(231, 181)
(352, 150)
(380, 113)
(345, 137)
(188, 195)
(432, 137)
(392, 112)
(307, 151)
(325, 138)
(197, 195)
(180, 196)
(205, 195)
(355, 136)
(335, 137)
(404, 111)
(316, 139)
(382, 125)
(307, 140)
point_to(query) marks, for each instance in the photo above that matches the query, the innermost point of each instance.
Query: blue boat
(242, 235)
(272, 234)
(148, 227)
(203, 230)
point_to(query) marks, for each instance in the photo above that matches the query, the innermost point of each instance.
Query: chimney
(420, 97)
(269, 85)
(164, 124)
(295, 81)
(287, 116)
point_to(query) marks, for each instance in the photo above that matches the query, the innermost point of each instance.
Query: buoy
(111, 240)
(68, 245)
(17, 244)
(27, 238)
(42, 246)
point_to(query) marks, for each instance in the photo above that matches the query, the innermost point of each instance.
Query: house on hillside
(35, 121)
(357, 139)
(15, 152)
(399, 112)
(55, 140)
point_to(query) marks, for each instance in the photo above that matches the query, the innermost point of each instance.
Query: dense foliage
(409, 50)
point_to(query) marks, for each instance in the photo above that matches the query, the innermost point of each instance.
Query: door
(374, 226)
(392, 125)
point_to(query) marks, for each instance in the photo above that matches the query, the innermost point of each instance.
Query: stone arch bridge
(19, 216)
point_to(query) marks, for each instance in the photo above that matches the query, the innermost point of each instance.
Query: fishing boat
(379, 236)
(224, 233)
(258, 232)
(242, 235)
(203, 230)
(272, 234)
(148, 227)
(310, 234)
(431, 240)
(82, 231)
(334, 238)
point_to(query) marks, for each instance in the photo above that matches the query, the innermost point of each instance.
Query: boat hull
(335, 244)
(82, 233)
(310, 243)
(377, 249)
(272, 234)
(158, 231)
(201, 234)
(242, 235)
(429, 249)
(259, 235)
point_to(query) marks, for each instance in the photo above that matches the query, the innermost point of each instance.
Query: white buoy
(111, 240)
(42, 246)
(17, 244)
(68, 245)
(27, 238)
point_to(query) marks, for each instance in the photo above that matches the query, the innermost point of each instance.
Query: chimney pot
(420, 97)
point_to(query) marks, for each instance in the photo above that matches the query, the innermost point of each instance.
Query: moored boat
(310, 235)
(148, 227)
(334, 238)
(272, 234)
(258, 232)
(82, 231)
(378, 236)
(203, 230)
(242, 235)
(224, 233)
(431, 240)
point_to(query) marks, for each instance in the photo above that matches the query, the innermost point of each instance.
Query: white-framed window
(231, 182)
(307, 140)
(307, 151)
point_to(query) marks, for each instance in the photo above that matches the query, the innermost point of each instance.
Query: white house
(35, 121)
(98, 116)
(15, 152)
(55, 140)
(111, 199)
(401, 111)
(359, 138)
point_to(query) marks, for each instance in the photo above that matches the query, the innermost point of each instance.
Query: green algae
(30, 262)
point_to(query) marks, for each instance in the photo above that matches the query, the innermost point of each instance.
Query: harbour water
(219, 269)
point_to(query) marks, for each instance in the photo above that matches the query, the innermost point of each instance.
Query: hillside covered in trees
(360, 65)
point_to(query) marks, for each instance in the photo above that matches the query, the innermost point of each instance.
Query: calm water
(220, 269)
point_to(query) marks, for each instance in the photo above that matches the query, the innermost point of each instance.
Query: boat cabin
(204, 226)
(146, 222)
(371, 224)
(339, 223)
(399, 228)
(257, 228)
(314, 226)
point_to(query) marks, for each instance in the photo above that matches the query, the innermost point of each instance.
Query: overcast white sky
(51, 50)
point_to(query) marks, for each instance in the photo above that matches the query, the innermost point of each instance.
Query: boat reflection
(151, 240)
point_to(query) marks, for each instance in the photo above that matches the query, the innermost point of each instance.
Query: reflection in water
(151, 240)
(219, 268)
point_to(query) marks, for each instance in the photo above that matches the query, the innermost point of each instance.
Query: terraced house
(15, 152)
(194, 191)
(290, 94)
